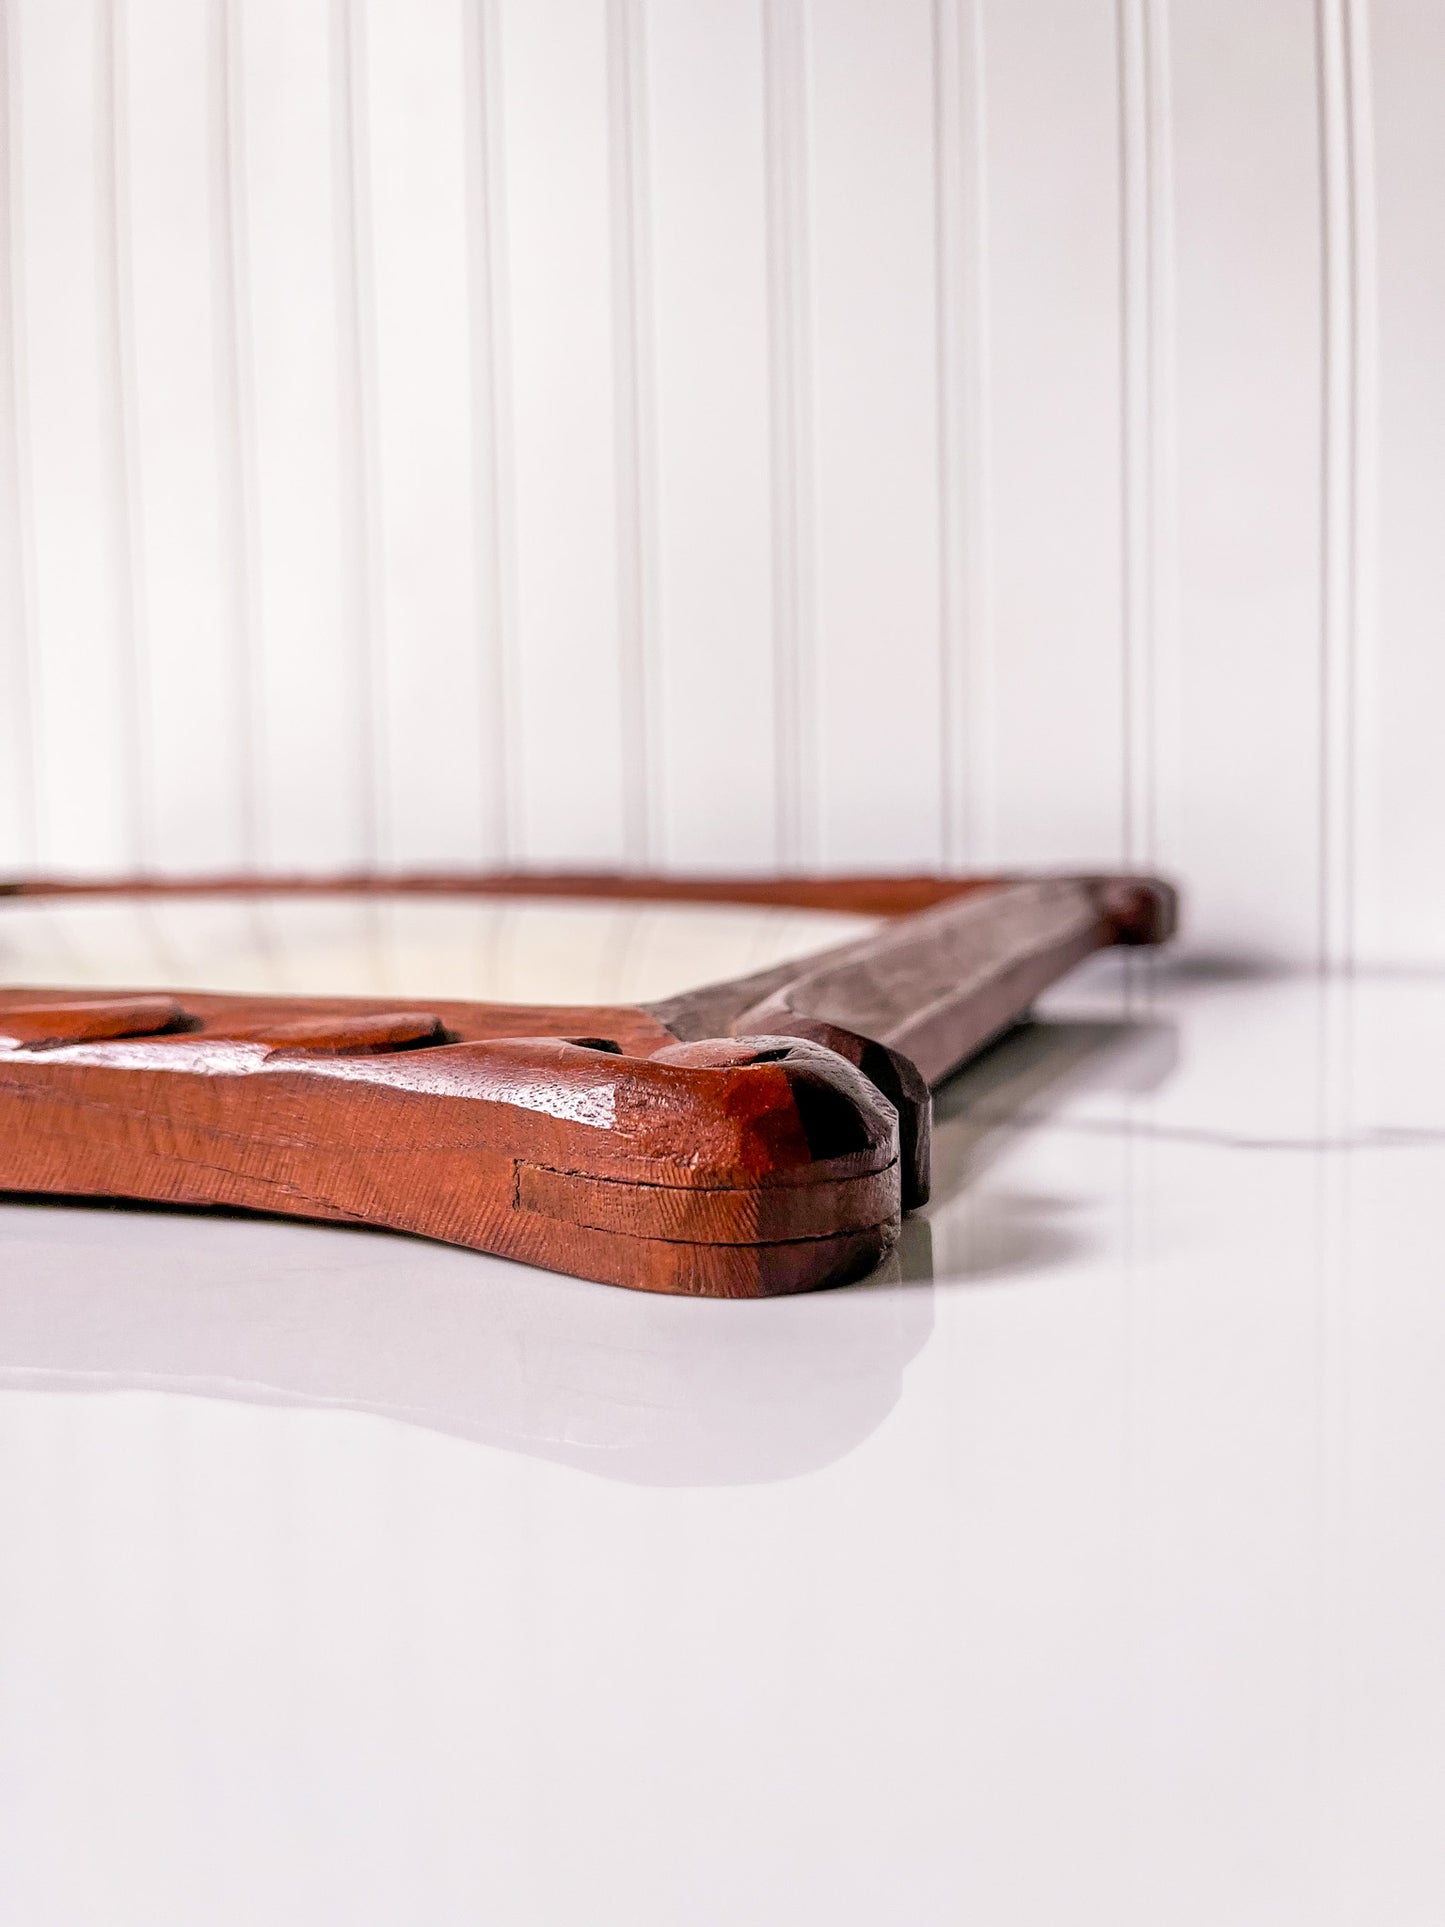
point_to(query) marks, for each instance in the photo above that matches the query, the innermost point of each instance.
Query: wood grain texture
(756, 1136)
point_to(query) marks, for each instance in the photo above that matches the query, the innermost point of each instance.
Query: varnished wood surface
(868, 896)
(936, 986)
(732, 1172)
(755, 1136)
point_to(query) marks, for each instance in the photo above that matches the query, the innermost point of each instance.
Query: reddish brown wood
(37, 1018)
(864, 896)
(752, 1137)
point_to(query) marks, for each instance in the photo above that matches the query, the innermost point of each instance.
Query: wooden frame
(751, 1137)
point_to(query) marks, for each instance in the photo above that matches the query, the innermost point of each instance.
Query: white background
(820, 432)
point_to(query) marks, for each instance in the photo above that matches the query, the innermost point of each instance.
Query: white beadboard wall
(732, 433)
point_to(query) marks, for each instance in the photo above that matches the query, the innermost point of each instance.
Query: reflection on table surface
(626, 1384)
(1084, 1568)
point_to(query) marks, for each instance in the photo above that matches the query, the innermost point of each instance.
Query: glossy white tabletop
(1086, 1567)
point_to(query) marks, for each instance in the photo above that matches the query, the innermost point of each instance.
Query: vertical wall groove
(976, 745)
(1365, 849)
(963, 297)
(356, 337)
(1164, 708)
(118, 389)
(1339, 577)
(634, 417)
(1137, 277)
(16, 536)
(949, 186)
(490, 425)
(235, 412)
(791, 427)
